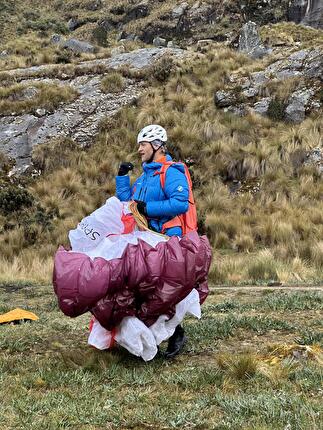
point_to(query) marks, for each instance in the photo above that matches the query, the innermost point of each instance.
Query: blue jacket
(162, 204)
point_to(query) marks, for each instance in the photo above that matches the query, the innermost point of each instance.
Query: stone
(314, 14)
(224, 98)
(315, 158)
(73, 24)
(81, 118)
(139, 11)
(250, 43)
(297, 10)
(239, 110)
(28, 93)
(40, 112)
(77, 46)
(179, 10)
(4, 54)
(250, 92)
(171, 44)
(118, 50)
(94, 5)
(297, 103)
(56, 39)
(159, 41)
(262, 106)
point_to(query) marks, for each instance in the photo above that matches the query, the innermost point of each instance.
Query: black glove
(141, 206)
(124, 168)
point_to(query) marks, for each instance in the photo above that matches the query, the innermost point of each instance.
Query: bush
(163, 68)
(276, 109)
(13, 198)
(100, 35)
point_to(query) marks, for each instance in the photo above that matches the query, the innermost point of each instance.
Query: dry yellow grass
(273, 233)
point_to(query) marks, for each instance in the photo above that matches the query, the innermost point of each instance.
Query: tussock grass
(112, 83)
(274, 233)
(20, 98)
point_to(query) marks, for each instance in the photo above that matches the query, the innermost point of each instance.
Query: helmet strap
(151, 159)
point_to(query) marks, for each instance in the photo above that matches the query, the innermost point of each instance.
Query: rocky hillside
(242, 101)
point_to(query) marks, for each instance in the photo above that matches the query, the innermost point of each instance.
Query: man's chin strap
(151, 159)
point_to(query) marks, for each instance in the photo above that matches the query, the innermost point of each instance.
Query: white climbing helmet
(152, 132)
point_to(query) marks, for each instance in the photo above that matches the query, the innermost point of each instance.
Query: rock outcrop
(305, 67)
(250, 43)
(307, 12)
(79, 119)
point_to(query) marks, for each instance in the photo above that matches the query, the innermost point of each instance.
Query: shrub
(276, 109)
(163, 68)
(100, 35)
(13, 198)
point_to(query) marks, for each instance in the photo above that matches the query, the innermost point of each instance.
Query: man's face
(145, 151)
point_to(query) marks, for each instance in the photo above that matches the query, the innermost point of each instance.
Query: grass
(51, 379)
(274, 233)
(21, 98)
(112, 83)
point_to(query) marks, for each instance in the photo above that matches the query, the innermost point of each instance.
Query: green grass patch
(50, 378)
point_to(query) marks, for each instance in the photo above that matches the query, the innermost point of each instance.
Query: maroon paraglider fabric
(145, 282)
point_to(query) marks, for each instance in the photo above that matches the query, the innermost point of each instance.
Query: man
(160, 205)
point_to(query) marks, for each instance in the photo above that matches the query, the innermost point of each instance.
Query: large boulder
(297, 10)
(250, 43)
(297, 103)
(77, 46)
(308, 12)
(314, 14)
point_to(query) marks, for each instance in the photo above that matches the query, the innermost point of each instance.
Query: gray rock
(314, 14)
(81, 118)
(250, 43)
(4, 54)
(297, 103)
(40, 112)
(139, 11)
(224, 98)
(179, 10)
(77, 46)
(159, 41)
(250, 92)
(28, 93)
(239, 110)
(55, 39)
(171, 44)
(262, 106)
(94, 5)
(315, 158)
(73, 24)
(118, 50)
(258, 78)
(297, 10)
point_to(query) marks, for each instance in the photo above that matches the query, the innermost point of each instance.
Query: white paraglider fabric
(101, 235)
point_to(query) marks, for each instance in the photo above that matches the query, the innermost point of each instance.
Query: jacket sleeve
(123, 188)
(177, 194)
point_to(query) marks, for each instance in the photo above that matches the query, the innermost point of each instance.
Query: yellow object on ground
(296, 352)
(17, 315)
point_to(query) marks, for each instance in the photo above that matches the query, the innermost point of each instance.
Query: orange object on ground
(17, 315)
